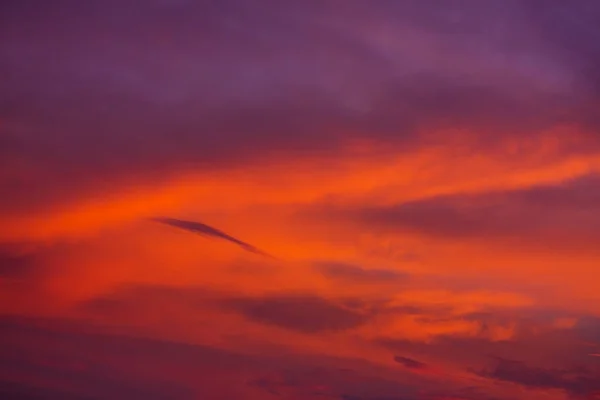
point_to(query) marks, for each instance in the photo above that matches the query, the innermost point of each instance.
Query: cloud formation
(13, 263)
(409, 362)
(216, 86)
(204, 229)
(426, 172)
(578, 381)
(564, 214)
(305, 314)
(357, 274)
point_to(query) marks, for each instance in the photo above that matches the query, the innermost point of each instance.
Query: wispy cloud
(357, 274)
(574, 380)
(203, 229)
(306, 314)
(410, 362)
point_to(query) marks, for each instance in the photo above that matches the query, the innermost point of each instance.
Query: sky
(303, 200)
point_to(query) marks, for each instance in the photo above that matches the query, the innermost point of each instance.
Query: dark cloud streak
(409, 362)
(566, 213)
(207, 230)
(306, 314)
(358, 274)
(579, 381)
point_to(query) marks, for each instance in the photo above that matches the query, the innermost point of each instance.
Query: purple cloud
(579, 381)
(306, 314)
(566, 213)
(94, 94)
(207, 230)
(409, 363)
(358, 274)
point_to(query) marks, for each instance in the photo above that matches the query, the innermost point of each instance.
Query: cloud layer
(426, 172)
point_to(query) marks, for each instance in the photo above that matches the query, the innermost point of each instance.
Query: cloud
(306, 314)
(14, 263)
(587, 329)
(357, 274)
(533, 338)
(46, 358)
(57, 357)
(566, 213)
(164, 88)
(577, 380)
(412, 314)
(115, 111)
(573, 36)
(409, 362)
(549, 357)
(20, 391)
(128, 303)
(29, 262)
(203, 229)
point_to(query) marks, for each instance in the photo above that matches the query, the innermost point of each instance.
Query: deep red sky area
(304, 200)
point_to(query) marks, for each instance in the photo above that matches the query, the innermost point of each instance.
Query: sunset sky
(303, 200)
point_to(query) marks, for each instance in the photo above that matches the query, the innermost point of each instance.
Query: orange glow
(309, 201)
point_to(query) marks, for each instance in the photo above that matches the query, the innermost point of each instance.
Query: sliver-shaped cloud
(207, 230)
